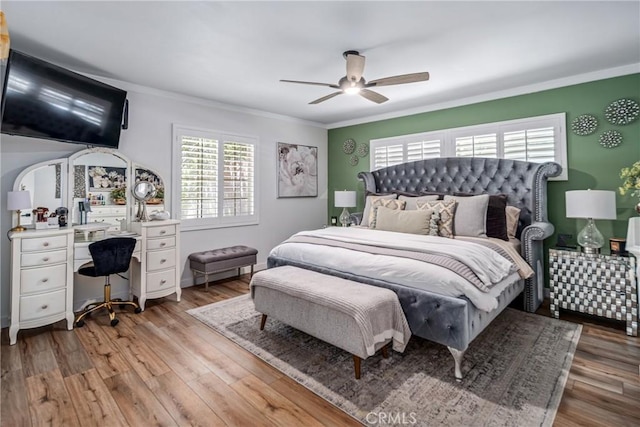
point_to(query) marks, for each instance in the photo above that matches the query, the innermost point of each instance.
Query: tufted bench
(355, 317)
(217, 260)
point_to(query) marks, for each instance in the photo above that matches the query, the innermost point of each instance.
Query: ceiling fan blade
(355, 67)
(398, 80)
(324, 98)
(312, 83)
(373, 96)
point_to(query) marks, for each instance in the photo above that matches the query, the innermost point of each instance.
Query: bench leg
(385, 351)
(251, 276)
(263, 321)
(356, 366)
(206, 282)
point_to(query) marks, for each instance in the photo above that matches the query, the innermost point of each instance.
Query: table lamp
(16, 201)
(591, 204)
(344, 199)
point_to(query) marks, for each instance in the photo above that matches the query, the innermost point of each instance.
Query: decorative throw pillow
(387, 203)
(471, 215)
(412, 202)
(496, 225)
(513, 218)
(367, 206)
(414, 221)
(446, 210)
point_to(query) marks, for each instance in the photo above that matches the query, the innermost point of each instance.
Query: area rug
(515, 371)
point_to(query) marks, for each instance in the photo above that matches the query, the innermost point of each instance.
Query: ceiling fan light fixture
(352, 90)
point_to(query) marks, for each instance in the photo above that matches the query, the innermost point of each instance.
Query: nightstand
(600, 285)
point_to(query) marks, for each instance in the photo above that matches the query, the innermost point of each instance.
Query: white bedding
(404, 271)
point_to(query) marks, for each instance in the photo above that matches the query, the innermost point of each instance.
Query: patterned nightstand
(600, 285)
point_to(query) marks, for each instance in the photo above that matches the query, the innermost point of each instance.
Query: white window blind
(217, 173)
(535, 139)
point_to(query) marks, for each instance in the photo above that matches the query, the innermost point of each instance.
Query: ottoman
(217, 260)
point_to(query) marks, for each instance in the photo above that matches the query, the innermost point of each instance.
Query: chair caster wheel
(138, 310)
(79, 323)
(114, 322)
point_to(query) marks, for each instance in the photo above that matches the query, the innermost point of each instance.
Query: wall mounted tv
(43, 100)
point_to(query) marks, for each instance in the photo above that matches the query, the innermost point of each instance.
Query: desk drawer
(162, 231)
(161, 243)
(43, 305)
(161, 280)
(35, 259)
(160, 260)
(44, 243)
(43, 279)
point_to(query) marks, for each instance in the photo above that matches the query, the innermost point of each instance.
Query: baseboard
(187, 282)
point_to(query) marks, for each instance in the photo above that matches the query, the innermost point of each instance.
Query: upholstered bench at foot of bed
(321, 305)
(218, 260)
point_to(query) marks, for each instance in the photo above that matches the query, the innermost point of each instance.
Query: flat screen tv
(43, 100)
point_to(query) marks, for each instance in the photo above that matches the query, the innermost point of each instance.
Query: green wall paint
(590, 165)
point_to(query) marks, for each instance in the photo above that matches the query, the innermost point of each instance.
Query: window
(534, 139)
(215, 185)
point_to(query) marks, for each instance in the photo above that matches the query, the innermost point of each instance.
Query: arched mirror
(99, 178)
(46, 183)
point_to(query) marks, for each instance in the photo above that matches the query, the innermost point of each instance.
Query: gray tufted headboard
(524, 183)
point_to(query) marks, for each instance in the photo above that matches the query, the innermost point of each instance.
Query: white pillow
(471, 215)
(412, 201)
(367, 207)
(414, 222)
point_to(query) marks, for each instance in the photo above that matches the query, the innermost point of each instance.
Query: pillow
(496, 225)
(471, 215)
(414, 221)
(445, 212)
(367, 206)
(513, 218)
(413, 200)
(387, 203)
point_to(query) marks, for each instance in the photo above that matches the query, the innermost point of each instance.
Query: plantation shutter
(533, 145)
(477, 146)
(423, 150)
(239, 174)
(388, 155)
(199, 178)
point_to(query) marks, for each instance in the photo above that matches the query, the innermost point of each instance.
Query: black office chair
(110, 256)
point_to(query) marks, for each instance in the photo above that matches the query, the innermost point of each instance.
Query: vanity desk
(44, 261)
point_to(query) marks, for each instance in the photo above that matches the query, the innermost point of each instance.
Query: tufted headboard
(524, 183)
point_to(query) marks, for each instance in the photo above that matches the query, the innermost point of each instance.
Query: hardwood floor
(164, 367)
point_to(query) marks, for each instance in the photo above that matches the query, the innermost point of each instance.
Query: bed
(454, 320)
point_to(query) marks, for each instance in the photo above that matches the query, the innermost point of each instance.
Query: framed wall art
(297, 170)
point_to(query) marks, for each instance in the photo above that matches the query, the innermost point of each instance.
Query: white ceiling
(236, 52)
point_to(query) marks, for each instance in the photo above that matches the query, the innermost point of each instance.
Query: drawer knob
(163, 281)
(44, 307)
(45, 280)
(162, 261)
(163, 231)
(45, 259)
(162, 244)
(45, 244)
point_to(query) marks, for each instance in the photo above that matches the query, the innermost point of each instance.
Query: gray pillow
(412, 202)
(414, 222)
(367, 207)
(471, 215)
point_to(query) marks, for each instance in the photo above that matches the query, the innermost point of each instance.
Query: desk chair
(110, 256)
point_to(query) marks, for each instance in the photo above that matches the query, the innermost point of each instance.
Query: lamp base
(344, 217)
(17, 228)
(593, 251)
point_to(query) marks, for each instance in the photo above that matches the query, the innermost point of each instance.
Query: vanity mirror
(46, 183)
(143, 191)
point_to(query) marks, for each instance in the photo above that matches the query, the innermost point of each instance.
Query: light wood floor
(163, 367)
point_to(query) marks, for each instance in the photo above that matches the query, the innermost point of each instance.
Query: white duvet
(493, 269)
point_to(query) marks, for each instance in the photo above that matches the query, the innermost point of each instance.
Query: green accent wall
(590, 164)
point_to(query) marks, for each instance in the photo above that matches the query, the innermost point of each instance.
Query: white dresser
(41, 279)
(110, 214)
(158, 273)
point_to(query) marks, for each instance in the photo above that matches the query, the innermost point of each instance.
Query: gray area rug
(515, 371)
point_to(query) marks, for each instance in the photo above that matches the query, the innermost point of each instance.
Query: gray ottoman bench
(217, 260)
(355, 317)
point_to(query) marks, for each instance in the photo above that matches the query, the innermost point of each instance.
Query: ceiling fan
(354, 83)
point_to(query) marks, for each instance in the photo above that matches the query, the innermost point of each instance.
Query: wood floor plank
(615, 402)
(92, 400)
(14, 402)
(182, 403)
(585, 413)
(38, 363)
(103, 354)
(70, 356)
(10, 359)
(49, 401)
(231, 407)
(138, 404)
(273, 405)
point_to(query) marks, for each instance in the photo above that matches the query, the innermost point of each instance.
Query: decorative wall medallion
(585, 124)
(622, 112)
(362, 150)
(353, 160)
(610, 139)
(349, 146)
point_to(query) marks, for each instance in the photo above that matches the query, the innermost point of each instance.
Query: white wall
(148, 141)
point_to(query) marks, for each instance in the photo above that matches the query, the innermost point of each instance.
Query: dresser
(110, 214)
(158, 273)
(41, 279)
(601, 285)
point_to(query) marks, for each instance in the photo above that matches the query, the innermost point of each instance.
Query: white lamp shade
(596, 204)
(18, 200)
(345, 199)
